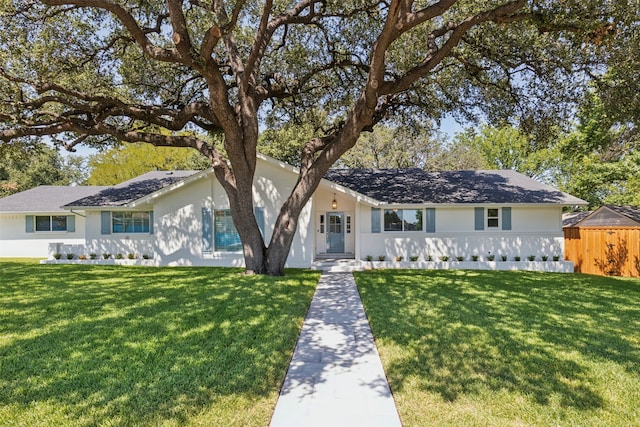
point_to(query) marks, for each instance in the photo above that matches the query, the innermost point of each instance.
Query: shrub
(369, 258)
(70, 256)
(545, 257)
(503, 257)
(491, 257)
(82, 257)
(381, 257)
(57, 256)
(106, 256)
(93, 256)
(119, 256)
(475, 257)
(429, 258)
(444, 258)
(413, 258)
(399, 258)
(146, 256)
(556, 257)
(517, 257)
(460, 258)
(132, 256)
(531, 257)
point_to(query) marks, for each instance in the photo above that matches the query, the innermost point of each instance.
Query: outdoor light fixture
(334, 202)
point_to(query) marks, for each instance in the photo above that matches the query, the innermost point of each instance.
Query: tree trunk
(287, 223)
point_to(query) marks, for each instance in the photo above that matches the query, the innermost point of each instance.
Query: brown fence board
(604, 251)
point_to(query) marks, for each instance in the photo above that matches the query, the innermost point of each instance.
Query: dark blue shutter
(207, 231)
(431, 220)
(259, 214)
(506, 218)
(375, 220)
(28, 223)
(105, 218)
(71, 223)
(150, 222)
(479, 218)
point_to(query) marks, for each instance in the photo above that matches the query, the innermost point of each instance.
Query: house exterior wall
(178, 225)
(15, 241)
(534, 231)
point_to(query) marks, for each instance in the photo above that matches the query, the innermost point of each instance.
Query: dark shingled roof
(628, 211)
(46, 198)
(415, 186)
(570, 219)
(132, 190)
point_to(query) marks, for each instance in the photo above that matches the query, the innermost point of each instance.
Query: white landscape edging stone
(546, 266)
(111, 261)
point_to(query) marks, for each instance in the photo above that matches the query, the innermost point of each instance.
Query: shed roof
(46, 198)
(131, 190)
(610, 216)
(414, 186)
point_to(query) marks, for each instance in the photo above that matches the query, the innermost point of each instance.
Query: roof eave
(359, 197)
(149, 197)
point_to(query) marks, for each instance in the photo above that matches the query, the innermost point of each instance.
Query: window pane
(226, 237)
(335, 224)
(492, 218)
(43, 223)
(118, 222)
(59, 223)
(412, 219)
(130, 222)
(392, 220)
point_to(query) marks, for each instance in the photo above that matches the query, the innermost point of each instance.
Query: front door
(335, 232)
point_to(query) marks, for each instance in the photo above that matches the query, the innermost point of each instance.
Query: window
(493, 219)
(219, 233)
(130, 222)
(496, 218)
(403, 220)
(226, 237)
(41, 223)
(335, 224)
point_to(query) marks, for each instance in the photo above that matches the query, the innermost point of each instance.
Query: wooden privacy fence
(604, 251)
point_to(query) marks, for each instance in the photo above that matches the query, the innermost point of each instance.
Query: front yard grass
(105, 345)
(469, 348)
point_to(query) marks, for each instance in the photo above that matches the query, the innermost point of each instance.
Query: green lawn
(105, 345)
(466, 348)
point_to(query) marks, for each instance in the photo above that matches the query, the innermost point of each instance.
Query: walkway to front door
(336, 377)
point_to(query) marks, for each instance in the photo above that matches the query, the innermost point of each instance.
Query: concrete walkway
(335, 377)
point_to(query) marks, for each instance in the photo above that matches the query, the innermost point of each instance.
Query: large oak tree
(93, 71)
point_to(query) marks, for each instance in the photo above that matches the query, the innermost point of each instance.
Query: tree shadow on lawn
(145, 345)
(462, 332)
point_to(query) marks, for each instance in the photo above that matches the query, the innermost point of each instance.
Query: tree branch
(138, 34)
(456, 32)
(180, 36)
